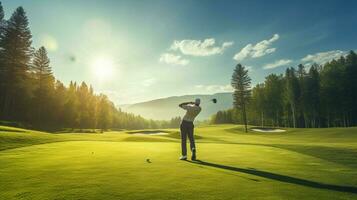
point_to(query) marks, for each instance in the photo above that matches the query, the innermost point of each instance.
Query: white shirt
(191, 112)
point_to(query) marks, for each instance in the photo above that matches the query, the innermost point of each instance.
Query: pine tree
(2, 65)
(241, 85)
(312, 95)
(44, 86)
(60, 97)
(71, 115)
(292, 92)
(42, 70)
(302, 110)
(83, 109)
(274, 88)
(104, 113)
(15, 54)
(259, 101)
(92, 104)
(351, 90)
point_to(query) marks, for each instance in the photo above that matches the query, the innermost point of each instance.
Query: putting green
(297, 164)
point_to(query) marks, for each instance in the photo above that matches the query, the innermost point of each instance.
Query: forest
(30, 95)
(305, 97)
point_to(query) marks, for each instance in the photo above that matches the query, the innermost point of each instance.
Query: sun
(103, 68)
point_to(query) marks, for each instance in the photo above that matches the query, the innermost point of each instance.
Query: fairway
(296, 164)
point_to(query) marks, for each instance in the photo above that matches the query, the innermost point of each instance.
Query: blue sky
(140, 50)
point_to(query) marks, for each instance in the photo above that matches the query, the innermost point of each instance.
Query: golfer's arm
(183, 104)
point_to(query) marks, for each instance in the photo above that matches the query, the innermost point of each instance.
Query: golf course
(296, 164)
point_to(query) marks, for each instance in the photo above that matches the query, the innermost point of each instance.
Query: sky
(139, 50)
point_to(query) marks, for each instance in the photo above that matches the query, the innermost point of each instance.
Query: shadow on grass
(343, 156)
(339, 155)
(279, 177)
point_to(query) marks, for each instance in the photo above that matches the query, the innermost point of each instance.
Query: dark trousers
(187, 131)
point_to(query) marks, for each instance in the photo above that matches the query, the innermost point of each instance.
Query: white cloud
(277, 63)
(323, 57)
(249, 68)
(173, 59)
(258, 50)
(215, 88)
(199, 48)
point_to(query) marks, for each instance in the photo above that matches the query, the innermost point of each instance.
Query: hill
(167, 108)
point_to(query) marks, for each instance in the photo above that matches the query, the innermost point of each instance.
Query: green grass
(297, 164)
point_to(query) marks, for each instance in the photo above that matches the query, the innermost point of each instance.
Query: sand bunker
(268, 130)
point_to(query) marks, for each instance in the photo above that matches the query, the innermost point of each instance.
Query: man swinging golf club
(187, 127)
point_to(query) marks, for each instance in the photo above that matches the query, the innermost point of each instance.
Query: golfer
(192, 110)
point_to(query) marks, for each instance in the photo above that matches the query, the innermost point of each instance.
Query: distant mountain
(167, 108)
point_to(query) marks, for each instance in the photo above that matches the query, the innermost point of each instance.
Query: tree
(2, 14)
(303, 100)
(292, 92)
(312, 93)
(60, 97)
(15, 56)
(83, 96)
(241, 85)
(259, 101)
(332, 89)
(274, 93)
(104, 113)
(71, 114)
(43, 86)
(351, 90)
(92, 104)
(175, 122)
(2, 65)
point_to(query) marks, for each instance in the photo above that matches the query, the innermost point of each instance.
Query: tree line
(31, 95)
(307, 97)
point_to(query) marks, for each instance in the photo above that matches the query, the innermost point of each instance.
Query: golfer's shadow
(279, 177)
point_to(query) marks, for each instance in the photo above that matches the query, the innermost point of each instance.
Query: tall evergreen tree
(15, 54)
(83, 107)
(274, 93)
(312, 95)
(259, 101)
(351, 90)
(2, 65)
(60, 98)
(104, 113)
(44, 84)
(332, 90)
(71, 107)
(301, 109)
(241, 85)
(2, 14)
(92, 105)
(42, 71)
(292, 92)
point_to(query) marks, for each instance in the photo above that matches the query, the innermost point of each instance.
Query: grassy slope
(297, 164)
